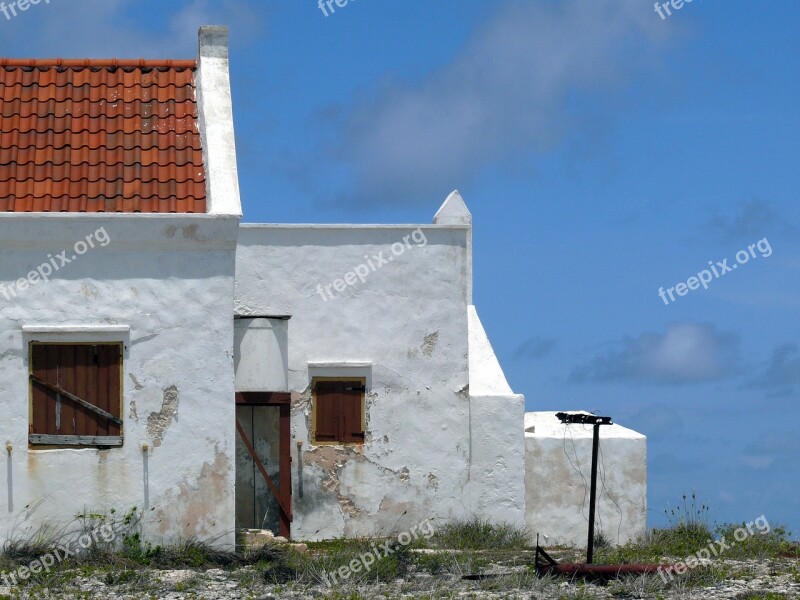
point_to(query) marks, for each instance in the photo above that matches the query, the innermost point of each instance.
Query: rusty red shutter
(109, 390)
(326, 412)
(90, 372)
(339, 411)
(351, 405)
(39, 396)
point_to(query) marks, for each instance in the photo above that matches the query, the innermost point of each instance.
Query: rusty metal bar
(604, 571)
(546, 565)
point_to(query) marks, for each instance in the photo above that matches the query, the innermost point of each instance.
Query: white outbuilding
(558, 459)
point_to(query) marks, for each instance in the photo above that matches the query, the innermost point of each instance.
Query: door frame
(284, 496)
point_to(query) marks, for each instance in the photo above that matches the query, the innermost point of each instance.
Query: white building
(151, 344)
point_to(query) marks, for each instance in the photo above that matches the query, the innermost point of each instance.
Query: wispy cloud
(508, 91)
(535, 347)
(781, 374)
(772, 447)
(751, 219)
(686, 352)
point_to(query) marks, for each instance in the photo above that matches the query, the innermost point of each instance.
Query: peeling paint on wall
(332, 465)
(158, 422)
(191, 509)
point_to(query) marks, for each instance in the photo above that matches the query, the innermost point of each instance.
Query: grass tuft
(477, 533)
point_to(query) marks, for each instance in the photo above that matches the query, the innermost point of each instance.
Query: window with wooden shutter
(338, 409)
(76, 394)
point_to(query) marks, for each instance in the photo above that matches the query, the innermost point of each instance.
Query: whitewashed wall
(558, 462)
(405, 329)
(496, 417)
(168, 279)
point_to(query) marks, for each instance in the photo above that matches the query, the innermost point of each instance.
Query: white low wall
(558, 461)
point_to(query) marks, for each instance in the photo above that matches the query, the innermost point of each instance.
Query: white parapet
(215, 112)
(558, 461)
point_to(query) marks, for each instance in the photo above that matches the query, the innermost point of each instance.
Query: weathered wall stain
(136, 384)
(195, 504)
(429, 345)
(158, 422)
(190, 232)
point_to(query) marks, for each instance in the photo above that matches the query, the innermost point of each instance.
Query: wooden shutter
(327, 408)
(90, 372)
(350, 407)
(339, 411)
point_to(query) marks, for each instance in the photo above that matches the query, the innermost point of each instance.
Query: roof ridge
(95, 62)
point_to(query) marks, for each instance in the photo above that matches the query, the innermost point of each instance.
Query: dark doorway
(263, 462)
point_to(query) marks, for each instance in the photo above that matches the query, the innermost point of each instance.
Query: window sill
(46, 442)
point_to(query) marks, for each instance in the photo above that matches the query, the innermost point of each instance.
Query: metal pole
(593, 493)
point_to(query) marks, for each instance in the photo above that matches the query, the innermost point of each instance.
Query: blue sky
(604, 153)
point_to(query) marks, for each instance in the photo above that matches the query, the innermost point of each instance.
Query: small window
(76, 394)
(338, 408)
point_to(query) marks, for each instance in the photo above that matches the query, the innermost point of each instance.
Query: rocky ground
(769, 579)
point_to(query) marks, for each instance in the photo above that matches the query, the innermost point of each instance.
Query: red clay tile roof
(100, 136)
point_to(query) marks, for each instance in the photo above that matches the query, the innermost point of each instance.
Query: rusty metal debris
(546, 565)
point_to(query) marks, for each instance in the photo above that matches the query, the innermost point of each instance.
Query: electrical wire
(585, 486)
(603, 482)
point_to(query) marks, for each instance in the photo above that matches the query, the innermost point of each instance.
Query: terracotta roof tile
(99, 136)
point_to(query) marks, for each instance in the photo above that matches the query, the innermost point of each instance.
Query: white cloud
(686, 352)
(505, 93)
